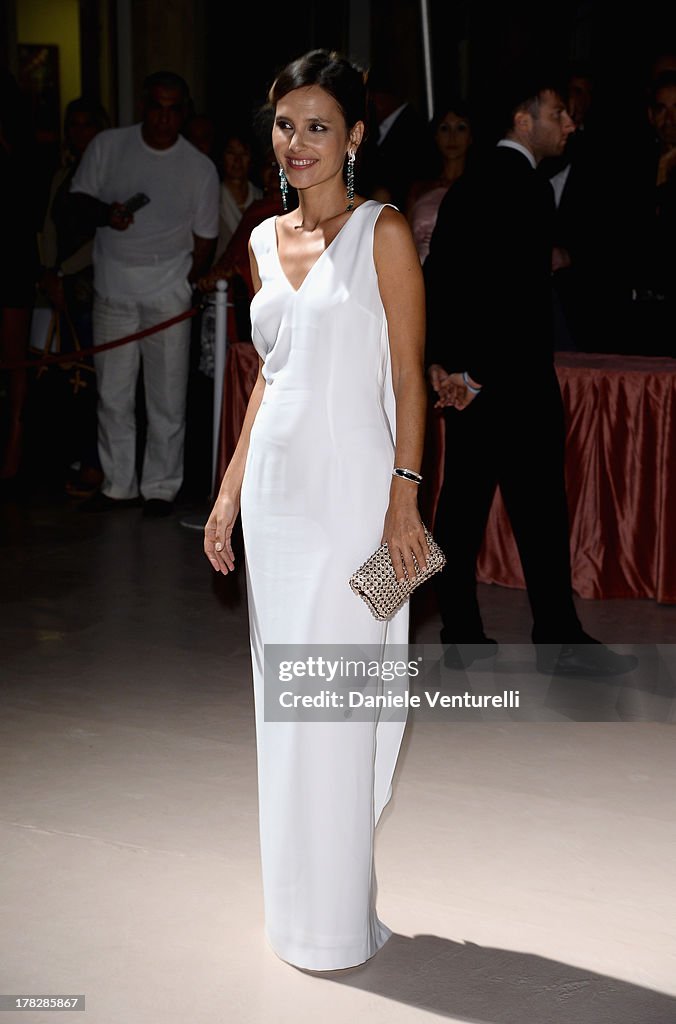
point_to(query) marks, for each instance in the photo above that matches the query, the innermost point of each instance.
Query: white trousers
(165, 358)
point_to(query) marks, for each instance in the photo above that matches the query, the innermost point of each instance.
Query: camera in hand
(136, 202)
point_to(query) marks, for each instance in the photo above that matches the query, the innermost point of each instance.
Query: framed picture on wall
(38, 79)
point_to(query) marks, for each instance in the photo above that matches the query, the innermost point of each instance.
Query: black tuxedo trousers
(511, 438)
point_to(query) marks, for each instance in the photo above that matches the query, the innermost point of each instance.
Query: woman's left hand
(404, 533)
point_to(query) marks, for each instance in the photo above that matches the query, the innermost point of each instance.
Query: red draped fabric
(241, 371)
(620, 473)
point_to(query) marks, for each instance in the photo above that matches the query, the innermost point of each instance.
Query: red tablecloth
(620, 473)
(620, 480)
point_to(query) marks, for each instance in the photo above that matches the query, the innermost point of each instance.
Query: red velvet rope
(72, 357)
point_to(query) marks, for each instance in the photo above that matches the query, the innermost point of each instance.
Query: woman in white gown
(338, 323)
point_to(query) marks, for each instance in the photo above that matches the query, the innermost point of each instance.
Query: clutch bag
(375, 582)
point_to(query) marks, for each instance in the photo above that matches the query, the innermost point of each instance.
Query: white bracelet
(470, 387)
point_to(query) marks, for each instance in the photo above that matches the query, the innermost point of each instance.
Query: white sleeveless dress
(315, 492)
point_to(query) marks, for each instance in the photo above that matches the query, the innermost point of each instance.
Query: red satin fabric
(241, 371)
(620, 467)
(620, 473)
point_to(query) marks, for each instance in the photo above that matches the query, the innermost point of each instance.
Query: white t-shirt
(154, 253)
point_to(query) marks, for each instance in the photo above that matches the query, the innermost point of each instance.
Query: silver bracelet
(407, 474)
(470, 387)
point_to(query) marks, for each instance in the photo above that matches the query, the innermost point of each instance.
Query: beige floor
(527, 867)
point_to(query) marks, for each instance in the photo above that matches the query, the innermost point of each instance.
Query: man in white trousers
(146, 257)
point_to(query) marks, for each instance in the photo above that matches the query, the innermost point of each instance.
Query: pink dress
(424, 217)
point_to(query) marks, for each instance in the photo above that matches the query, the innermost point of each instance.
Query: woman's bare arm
(403, 295)
(221, 522)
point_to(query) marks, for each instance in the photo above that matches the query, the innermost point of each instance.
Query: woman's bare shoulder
(391, 226)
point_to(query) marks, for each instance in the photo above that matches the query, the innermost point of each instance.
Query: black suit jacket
(488, 273)
(407, 153)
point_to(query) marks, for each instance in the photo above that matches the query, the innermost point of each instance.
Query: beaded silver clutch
(376, 582)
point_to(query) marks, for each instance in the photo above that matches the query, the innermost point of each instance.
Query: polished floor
(525, 863)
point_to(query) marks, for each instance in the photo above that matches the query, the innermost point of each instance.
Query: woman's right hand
(218, 533)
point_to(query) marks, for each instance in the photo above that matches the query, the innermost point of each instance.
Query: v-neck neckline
(322, 253)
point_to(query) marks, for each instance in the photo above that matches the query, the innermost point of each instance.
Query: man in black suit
(400, 147)
(490, 361)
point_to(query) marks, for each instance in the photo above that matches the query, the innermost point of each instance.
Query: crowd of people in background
(613, 263)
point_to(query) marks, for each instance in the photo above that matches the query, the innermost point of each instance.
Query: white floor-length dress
(315, 492)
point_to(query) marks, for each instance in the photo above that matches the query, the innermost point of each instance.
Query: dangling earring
(284, 188)
(350, 180)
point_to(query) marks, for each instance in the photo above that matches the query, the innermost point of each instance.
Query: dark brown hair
(331, 71)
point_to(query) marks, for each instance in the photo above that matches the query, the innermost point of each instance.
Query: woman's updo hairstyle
(333, 73)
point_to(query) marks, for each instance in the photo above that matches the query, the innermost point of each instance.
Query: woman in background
(237, 191)
(234, 265)
(452, 137)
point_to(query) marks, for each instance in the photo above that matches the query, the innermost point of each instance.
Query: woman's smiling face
(310, 137)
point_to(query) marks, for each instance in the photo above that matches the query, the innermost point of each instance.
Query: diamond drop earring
(350, 180)
(284, 187)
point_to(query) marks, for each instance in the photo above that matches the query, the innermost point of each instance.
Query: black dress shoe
(589, 658)
(157, 508)
(100, 502)
(461, 656)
